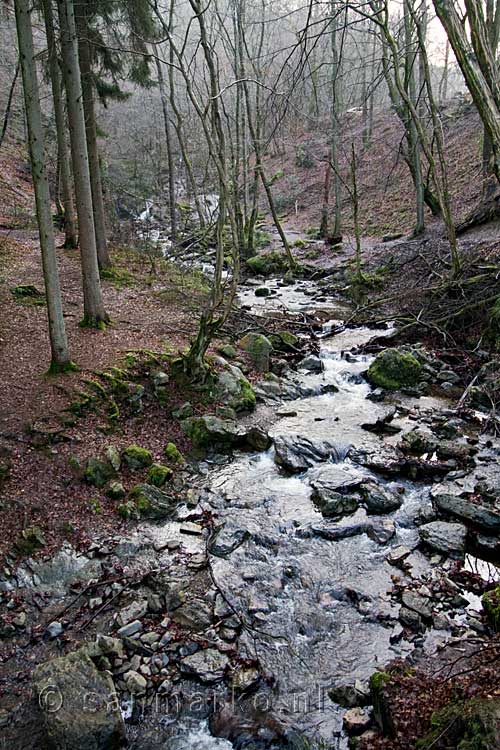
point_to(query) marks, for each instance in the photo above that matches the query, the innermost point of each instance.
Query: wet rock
(383, 425)
(350, 694)
(394, 369)
(382, 531)
(259, 348)
(298, 453)
(485, 518)
(334, 533)
(258, 439)
(262, 291)
(210, 431)
(379, 500)
(398, 555)
(227, 540)
(418, 442)
(135, 682)
(333, 504)
(417, 603)
(311, 364)
(79, 705)
(208, 666)
(356, 721)
(448, 538)
(245, 679)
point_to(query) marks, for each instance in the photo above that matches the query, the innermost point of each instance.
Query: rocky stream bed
(322, 536)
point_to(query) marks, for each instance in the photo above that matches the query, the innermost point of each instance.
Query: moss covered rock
(31, 539)
(234, 390)
(210, 431)
(393, 369)
(465, 725)
(79, 704)
(158, 474)
(259, 348)
(116, 491)
(228, 351)
(137, 458)
(173, 454)
(266, 265)
(152, 503)
(284, 341)
(98, 472)
(491, 606)
(381, 707)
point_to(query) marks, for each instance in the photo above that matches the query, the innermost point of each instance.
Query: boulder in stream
(210, 431)
(484, 517)
(79, 704)
(448, 538)
(394, 369)
(298, 453)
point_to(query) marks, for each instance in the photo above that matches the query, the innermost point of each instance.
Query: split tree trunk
(63, 156)
(170, 157)
(58, 341)
(94, 313)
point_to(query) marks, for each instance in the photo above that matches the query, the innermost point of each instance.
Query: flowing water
(317, 611)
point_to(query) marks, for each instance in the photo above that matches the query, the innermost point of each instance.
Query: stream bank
(291, 572)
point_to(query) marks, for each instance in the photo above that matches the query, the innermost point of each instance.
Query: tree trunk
(413, 139)
(476, 78)
(58, 342)
(9, 103)
(334, 126)
(86, 73)
(63, 156)
(94, 313)
(170, 157)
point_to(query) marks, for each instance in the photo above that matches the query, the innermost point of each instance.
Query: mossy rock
(464, 725)
(98, 472)
(491, 606)
(210, 431)
(393, 369)
(158, 475)
(116, 491)
(31, 539)
(137, 458)
(259, 348)
(152, 503)
(234, 390)
(262, 291)
(284, 341)
(28, 294)
(266, 265)
(228, 351)
(173, 454)
(381, 709)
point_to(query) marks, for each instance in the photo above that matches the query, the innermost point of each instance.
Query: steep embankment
(297, 165)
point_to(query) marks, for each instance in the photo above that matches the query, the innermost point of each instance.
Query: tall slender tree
(61, 360)
(94, 312)
(63, 154)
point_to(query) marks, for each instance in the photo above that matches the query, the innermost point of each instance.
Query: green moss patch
(158, 474)
(394, 369)
(173, 454)
(137, 458)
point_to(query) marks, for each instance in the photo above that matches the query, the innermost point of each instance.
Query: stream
(297, 585)
(318, 610)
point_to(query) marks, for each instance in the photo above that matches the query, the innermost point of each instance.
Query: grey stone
(448, 538)
(130, 629)
(133, 611)
(54, 629)
(79, 705)
(135, 682)
(208, 665)
(417, 603)
(311, 363)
